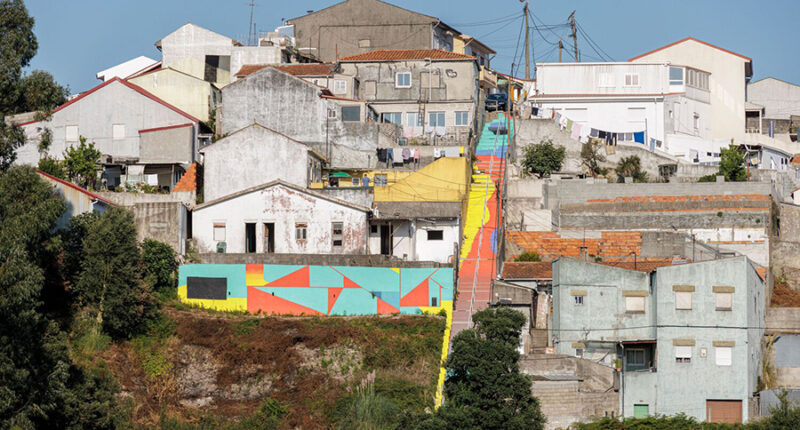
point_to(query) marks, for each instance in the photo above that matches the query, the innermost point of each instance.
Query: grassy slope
(310, 365)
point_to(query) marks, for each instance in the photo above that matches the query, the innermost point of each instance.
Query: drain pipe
(622, 381)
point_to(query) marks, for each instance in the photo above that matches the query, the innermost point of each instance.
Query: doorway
(724, 411)
(250, 237)
(386, 239)
(641, 411)
(269, 237)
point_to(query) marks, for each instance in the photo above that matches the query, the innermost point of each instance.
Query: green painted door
(640, 411)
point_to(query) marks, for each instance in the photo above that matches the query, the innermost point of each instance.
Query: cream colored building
(729, 71)
(182, 90)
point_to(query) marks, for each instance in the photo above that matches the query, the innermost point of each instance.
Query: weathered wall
(284, 207)
(780, 99)
(250, 157)
(130, 199)
(361, 196)
(165, 222)
(192, 42)
(316, 290)
(357, 26)
(173, 145)
(319, 259)
(444, 180)
(186, 92)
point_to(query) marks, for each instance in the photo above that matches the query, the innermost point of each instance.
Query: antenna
(250, 27)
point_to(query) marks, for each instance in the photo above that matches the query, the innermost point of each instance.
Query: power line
(592, 43)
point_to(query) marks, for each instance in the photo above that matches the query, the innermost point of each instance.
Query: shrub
(160, 266)
(528, 256)
(543, 158)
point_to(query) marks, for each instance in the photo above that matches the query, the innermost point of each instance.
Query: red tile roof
(686, 40)
(188, 181)
(136, 88)
(77, 187)
(406, 54)
(292, 69)
(616, 245)
(527, 270)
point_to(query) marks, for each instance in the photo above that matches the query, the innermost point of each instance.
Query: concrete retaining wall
(130, 199)
(323, 259)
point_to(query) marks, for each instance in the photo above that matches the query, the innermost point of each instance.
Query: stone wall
(163, 221)
(316, 259)
(129, 199)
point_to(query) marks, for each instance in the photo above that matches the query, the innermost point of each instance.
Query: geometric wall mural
(315, 290)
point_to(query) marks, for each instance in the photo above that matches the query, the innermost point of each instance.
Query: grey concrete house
(257, 155)
(342, 129)
(142, 138)
(356, 26)
(433, 94)
(685, 338)
(779, 103)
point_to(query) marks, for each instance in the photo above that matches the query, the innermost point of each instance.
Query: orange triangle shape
(298, 278)
(348, 283)
(386, 309)
(268, 304)
(333, 294)
(417, 297)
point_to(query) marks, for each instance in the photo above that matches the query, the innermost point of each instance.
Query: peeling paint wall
(283, 207)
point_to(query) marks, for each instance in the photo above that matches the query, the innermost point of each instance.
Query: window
(339, 86)
(579, 300)
(380, 180)
(364, 43)
(605, 80)
(676, 75)
(683, 354)
(683, 300)
(436, 119)
(402, 80)
(392, 118)
(696, 121)
(337, 234)
(219, 232)
(723, 355)
(631, 79)
(332, 113)
(724, 301)
(71, 133)
(413, 120)
(301, 231)
(118, 131)
(351, 113)
(462, 118)
(634, 304)
(373, 228)
(435, 235)
(635, 358)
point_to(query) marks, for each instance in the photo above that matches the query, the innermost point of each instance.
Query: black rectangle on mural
(206, 288)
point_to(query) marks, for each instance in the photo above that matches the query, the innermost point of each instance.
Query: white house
(416, 231)
(257, 155)
(279, 217)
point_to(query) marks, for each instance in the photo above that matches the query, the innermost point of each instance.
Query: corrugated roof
(311, 69)
(406, 54)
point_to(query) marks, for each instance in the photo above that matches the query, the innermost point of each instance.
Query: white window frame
(631, 351)
(632, 80)
(396, 115)
(635, 304)
(685, 295)
(337, 83)
(71, 137)
(398, 80)
(723, 299)
(606, 80)
(412, 119)
(723, 355)
(218, 231)
(683, 354)
(301, 231)
(675, 81)
(437, 115)
(462, 118)
(117, 131)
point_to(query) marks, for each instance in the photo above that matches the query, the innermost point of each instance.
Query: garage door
(724, 411)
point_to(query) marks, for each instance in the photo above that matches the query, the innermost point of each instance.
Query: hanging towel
(584, 134)
(406, 154)
(638, 137)
(397, 157)
(594, 133)
(569, 125)
(437, 153)
(576, 132)
(601, 134)
(652, 144)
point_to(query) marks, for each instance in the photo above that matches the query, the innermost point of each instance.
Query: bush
(591, 158)
(160, 266)
(528, 256)
(543, 159)
(630, 167)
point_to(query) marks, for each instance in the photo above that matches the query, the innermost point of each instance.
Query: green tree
(731, 165)
(17, 47)
(503, 324)
(543, 158)
(40, 92)
(74, 252)
(528, 256)
(80, 163)
(11, 138)
(40, 387)
(160, 266)
(591, 157)
(630, 167)
(53, 167)
(110, 282)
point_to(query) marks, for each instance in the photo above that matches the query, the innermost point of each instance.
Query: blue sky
(78, 38)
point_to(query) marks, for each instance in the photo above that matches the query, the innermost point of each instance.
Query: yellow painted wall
(444, 180)
(197, 68)
(185, 92)
(230, 304)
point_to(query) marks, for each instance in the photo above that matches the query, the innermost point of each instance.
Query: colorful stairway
(478, 252)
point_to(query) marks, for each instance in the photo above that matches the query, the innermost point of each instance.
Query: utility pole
(250, 27)
(527, 44)
(574, 34)
(560, 47)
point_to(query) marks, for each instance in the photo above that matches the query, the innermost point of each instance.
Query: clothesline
(582, 133)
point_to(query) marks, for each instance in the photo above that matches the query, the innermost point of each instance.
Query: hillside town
(365, 165)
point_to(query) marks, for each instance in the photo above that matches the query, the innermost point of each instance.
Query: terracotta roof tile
(188, 181)
(406, 54)
(527, 270)
(311, 69)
